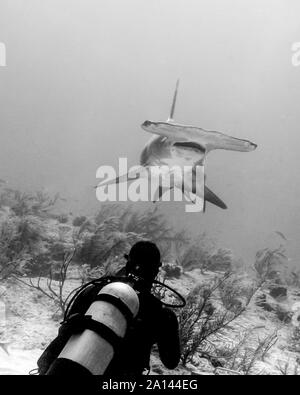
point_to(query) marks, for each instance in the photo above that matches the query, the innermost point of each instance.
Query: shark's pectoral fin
(212, 198)
(127, 177)
(135, 174)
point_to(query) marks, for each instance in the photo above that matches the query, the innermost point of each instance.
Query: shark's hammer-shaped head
(208, 140)
(166, 129)
(217, 140)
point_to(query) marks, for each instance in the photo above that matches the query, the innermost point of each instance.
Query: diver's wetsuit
(154, 324)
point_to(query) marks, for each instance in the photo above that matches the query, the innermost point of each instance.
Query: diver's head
(143, 261)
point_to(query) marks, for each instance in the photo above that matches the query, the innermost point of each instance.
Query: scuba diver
(153, 324)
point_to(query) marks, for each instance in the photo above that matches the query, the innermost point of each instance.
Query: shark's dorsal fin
(170, 119)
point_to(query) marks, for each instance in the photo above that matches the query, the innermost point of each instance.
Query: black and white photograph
(149, 190)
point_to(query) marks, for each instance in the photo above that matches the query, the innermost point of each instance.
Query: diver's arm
(168, 339)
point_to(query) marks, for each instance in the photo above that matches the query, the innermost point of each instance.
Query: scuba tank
(95, 323)
(88, 342)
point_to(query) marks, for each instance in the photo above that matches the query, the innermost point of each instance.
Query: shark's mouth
(191, 145)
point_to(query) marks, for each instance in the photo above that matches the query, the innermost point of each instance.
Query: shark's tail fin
(173, 103)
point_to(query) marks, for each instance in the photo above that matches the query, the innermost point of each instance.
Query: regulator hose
(174, 306)
(113, 278)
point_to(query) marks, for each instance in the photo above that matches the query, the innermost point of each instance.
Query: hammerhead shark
(174, 144)
(178, 144)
